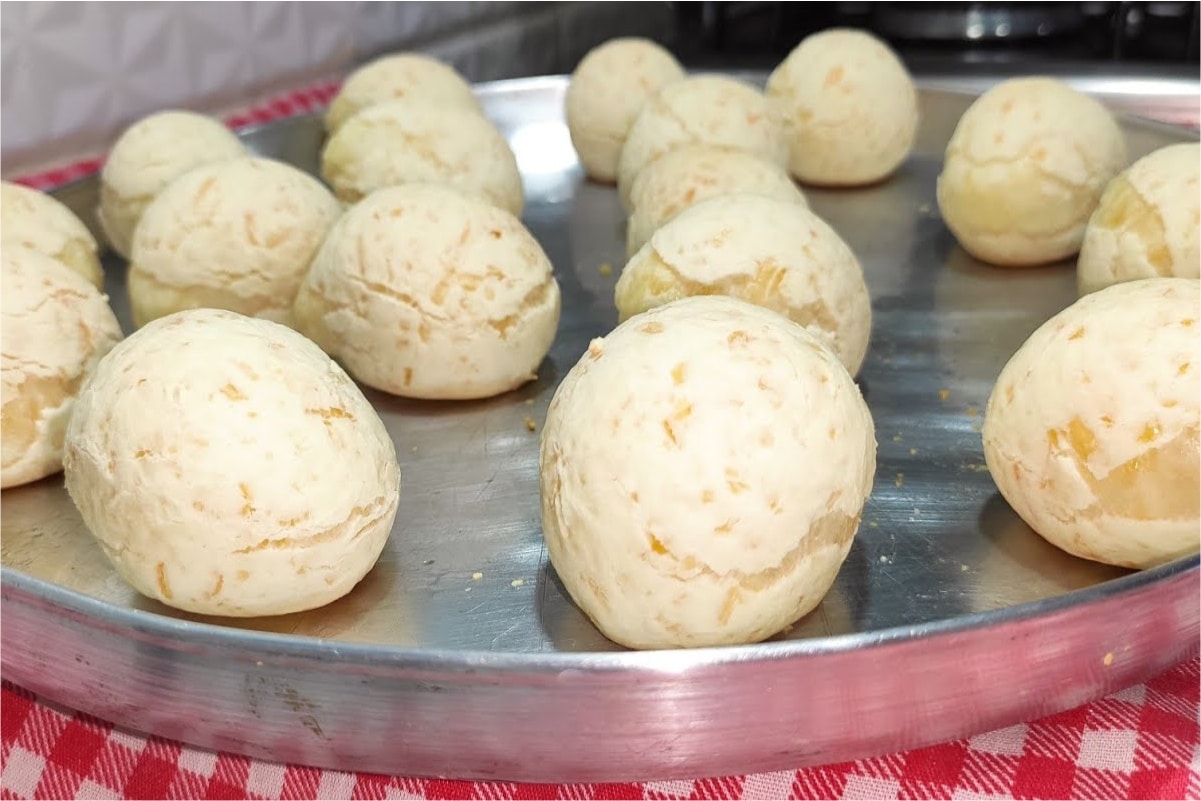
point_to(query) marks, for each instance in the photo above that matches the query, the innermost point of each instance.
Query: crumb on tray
(530, 424)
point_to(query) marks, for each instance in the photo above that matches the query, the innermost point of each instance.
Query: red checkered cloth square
(1142, 742)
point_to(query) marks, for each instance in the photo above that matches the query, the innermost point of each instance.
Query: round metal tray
(460, 654)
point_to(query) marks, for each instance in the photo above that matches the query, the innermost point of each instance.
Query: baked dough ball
(694, 173)
(55, 326)
(850, 108)
(606, 92)
(682, 502)
(1025, 168)
(227, 466)
(35, 220)
(402, 142)
(1147, 222)
(705, 109)
(773, 253)
(401, 75)
(424, 292)
(1092, 429)
(236, 235)
(151, 154)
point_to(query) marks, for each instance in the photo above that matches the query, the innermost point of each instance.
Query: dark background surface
(1132, 38)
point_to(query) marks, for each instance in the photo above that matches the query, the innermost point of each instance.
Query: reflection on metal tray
(461, 655)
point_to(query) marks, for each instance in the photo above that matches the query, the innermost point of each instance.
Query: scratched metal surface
(466, 568)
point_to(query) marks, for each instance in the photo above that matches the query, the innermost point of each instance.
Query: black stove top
(1148, 38)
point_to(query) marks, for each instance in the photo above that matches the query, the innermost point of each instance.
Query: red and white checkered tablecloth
(1141, 743)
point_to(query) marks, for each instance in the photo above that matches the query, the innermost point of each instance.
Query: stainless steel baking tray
(460, 654)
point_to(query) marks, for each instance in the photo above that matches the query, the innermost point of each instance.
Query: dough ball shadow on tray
(1018, 563)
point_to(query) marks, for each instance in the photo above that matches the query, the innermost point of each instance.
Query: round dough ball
(693, 173)
(227, 466)
(55, 326)
(851, 108)
(705, 109)
(424, 292)
(402, 75)
(1092, 430)
(606, 92)
(236, 235)
(150, 155)
(773, 253)
(682, 504)
(1147, 223)
(402, 142)
(35, 220)
(1025, 168)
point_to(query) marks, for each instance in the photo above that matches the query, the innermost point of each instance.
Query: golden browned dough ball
(850, 107)
(412, 76)
(1025, 169)
(1147, 223)
(1093, 429)
(607, 90)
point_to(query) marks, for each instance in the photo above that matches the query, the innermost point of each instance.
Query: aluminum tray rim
(306, 647)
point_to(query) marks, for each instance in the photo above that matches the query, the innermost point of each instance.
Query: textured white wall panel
(74, 74)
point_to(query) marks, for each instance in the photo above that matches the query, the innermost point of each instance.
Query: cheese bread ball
(401, 75)
(1024, 170)
(694, 173)
(147, 157)
(236, 235)
(705, 109)
(606, 92)
(1147, 223)
(773, 253)
(55, 327)
(227, 466)
(850, 108)
(424, 292)
(703, 469)
(35, 220)
(1091, 432)
(403, 141)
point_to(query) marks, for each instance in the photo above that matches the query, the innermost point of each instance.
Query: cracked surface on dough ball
(405, 141)
(773, 253)
(703, 109)
(227, 466)
(412, 76)
(1024, 170)
(703, 469)
(685, 177)
(238, 235)
(1092, 429)
(35, 220)
(851, 108)
(1147, 223)
(147, 157)
(55, 327)
(607, 90)
(428, 293)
